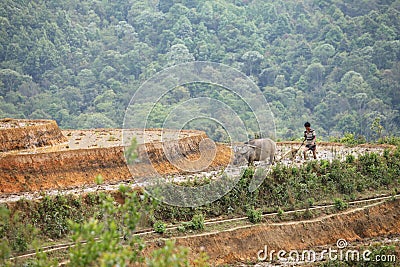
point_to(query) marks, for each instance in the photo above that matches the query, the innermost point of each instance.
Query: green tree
(324, 52)
(347, 123)
(314, 75)
(333, 34)
(353, 83)
(88, 82)
(106, 104)
(11, 80)
(43, 57)
(94, 120)
(178, 54)
(377, 128)
(251, 62)
(183, 28)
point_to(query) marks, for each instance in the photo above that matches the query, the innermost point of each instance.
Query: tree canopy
(334, 63)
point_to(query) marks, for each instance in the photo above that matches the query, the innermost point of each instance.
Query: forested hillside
(335, 63)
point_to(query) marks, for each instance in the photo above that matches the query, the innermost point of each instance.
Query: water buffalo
(255, 150)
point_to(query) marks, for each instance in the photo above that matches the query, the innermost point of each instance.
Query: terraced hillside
(349, 193)
(55, 159)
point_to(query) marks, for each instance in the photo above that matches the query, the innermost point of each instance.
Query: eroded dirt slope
(242, 244)
(25, 134)
(99, 152)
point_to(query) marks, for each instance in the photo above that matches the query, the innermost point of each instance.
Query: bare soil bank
(61, 167)
(241, 245)
(24, 134)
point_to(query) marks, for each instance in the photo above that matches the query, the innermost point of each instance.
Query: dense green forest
(332, 62)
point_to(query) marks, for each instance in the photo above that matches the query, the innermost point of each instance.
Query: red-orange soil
(23, 134)
(242, 244)
(87, 154)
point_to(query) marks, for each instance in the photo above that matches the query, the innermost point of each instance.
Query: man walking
(309, 138)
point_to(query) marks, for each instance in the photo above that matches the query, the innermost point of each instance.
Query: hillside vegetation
(110, 215)
(333, 62)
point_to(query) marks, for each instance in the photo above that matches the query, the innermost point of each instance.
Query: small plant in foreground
(254, 215)
(280, 212)
(160, 227)
(131, 153)
(308, 214)
(198, 222)
(15, 233)
(169, 256)
(181, 228)
(350, 158)
(310, 202)
(340, 204)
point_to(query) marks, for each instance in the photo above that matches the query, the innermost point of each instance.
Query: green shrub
(307, 214)
(53, 214)
(377, 251)
(116, 221)
(160, 227)
(340, 204)
(181, 228)
(169, 256)
(131, 153)
(348, 139)
(197, 222)
(350, 159)
(391, 140)
(369, 162)
(5, 250)
(280, 212)
(310, 202)
(202, 260)
(15, 233)
(254, 215)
